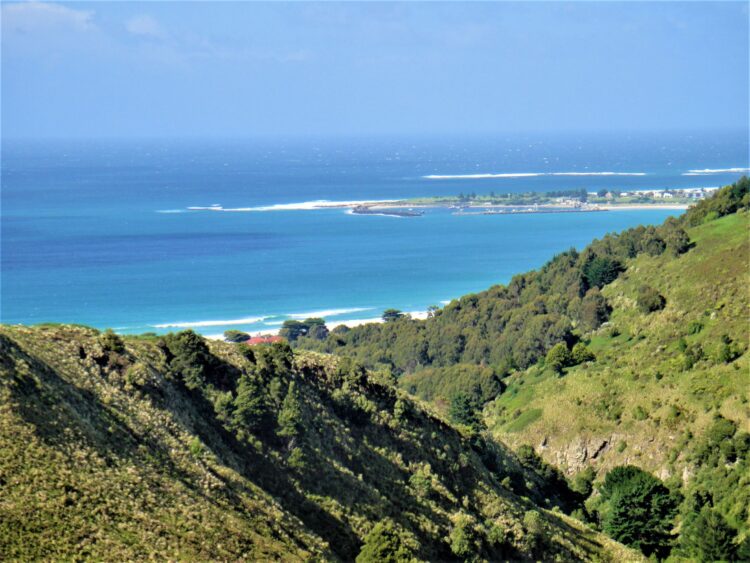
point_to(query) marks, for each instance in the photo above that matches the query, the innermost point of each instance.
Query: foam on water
(709, 171)
(524, 175)
(230, 322)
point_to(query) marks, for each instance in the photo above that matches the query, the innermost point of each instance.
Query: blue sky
(177, 69)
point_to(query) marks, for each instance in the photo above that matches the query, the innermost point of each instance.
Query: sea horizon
(125, 234)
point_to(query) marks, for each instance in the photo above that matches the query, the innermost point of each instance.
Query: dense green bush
(558, 357)
(236, 336)
(708, 537)
(385, 543)
(649, 300)
(190, 360)
(111, 342)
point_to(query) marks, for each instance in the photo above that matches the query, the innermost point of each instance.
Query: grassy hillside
(656, 374)
(668, 390)
(174, 448)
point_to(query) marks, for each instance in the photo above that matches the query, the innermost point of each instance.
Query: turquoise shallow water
(99, 233)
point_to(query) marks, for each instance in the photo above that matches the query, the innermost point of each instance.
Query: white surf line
(709, 171)
(524, 175)
(230, 322)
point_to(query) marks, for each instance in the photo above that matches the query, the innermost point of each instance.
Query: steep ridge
(178, 448)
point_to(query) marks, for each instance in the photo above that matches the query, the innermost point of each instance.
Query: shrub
(297, 459)
(594, 309)
(558, 357)
(111, 342)
(421, 481)
(386, 543)
(583, 481)
(463, 538)
(581, 354)
(196, 447)
(649, 300)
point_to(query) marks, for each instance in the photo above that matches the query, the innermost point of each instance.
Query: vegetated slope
(631, 352)
(668, 388)
(507, 326)
(656, 374)
(173, 448)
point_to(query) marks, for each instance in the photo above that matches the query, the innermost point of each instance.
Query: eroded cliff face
(602, 452)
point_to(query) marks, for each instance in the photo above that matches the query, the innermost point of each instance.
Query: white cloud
(27, 17)
(144, 25)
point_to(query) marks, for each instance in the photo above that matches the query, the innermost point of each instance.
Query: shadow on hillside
(54, 407)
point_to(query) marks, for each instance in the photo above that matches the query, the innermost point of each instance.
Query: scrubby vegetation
(178, 448)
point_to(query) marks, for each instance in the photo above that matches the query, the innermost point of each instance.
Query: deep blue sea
(99, 232)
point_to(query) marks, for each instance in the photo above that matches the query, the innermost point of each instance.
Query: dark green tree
(464, 410)
(292, 330)
(236, 336)
(290, 415)
(251, 406)
(392, 315)
(601, 270)
(638, 510)
(316, 328)
(189, 358)
(708, 537)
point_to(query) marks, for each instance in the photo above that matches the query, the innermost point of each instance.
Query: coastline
(350, 323)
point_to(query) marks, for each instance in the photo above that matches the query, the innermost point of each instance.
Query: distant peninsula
(566, 201)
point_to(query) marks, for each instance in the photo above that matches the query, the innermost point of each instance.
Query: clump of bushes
(649, 300)
(386, 542)
(463, 539)
(559, 356)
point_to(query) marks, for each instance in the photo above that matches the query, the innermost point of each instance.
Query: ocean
(99, 233)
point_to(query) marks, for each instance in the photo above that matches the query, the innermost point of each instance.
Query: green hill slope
(630, 352)
(668, 389)
(656, 374)
(172, 448)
